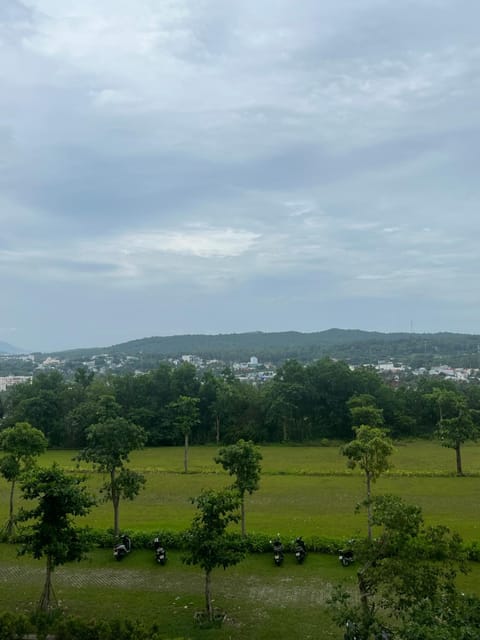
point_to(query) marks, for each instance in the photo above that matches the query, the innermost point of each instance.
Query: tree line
(303, 403)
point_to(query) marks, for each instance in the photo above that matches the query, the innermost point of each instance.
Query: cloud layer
(194, 166)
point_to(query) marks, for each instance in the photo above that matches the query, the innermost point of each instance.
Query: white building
(9, 381)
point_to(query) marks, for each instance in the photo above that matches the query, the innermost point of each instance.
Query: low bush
(56, 625)
(253, 542)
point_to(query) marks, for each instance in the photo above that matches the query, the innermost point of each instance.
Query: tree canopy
(109, 445)
(53, 534)
(242, 460)
(209, 546)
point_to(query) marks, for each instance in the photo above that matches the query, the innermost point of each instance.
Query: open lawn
(304, 490)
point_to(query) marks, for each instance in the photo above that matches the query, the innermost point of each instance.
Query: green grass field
(304, 490)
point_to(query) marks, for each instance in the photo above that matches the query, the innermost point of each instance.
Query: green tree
(53, 534)
(41, 404)
(287, 401)
(242, 460)
(456, 424)
(406, 577)
(370, 450)
(109, 445)
(364, 410)
(21, 445)
(83, 377)
(215, 405)
(186, 416)
(209, 546)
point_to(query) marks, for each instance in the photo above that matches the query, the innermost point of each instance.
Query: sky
(221, 166)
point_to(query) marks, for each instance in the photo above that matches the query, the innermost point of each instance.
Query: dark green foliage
(50, 531)
(242, 460)
(15, 626)
(370, 450)
(406, 578)
(109, 445)
(208, 544)
(41, 404)
(21, 445)
(303, 403)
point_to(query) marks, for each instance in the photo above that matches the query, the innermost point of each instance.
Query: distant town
(252, 371)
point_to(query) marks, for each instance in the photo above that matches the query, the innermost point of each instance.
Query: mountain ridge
(349, 344)
(9, 349)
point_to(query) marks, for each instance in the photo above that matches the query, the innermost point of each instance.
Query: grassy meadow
(304, 491)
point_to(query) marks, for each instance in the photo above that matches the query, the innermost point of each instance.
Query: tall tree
(407, 578)
(109, 445)
(287, 401)
(208, 544)
(186, 416)
(53, 534)
(456, 425)
(83, 377)
(21, 445)
(242, 460)
(370, 450)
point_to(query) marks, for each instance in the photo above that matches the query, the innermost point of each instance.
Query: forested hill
(351, 345)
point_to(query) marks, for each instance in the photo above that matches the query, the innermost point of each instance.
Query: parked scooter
(300, 550)
(160, 552)
(346, 557)
(122, 548)
(351, 631)
(277, 551)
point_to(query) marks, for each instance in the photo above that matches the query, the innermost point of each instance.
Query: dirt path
(285, 589)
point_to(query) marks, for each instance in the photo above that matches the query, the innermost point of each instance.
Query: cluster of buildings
(398, 372)
(9, 381)
(252, 371)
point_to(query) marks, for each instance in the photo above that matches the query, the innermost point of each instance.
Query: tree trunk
(285, 430)
(116, 503)
(242, 512)
(458, 456)
(208, 595)
(368, 608)
(217, 429)
(362, 587)
(10, 526)
(48, 595)
(185, 454)
(369, 507)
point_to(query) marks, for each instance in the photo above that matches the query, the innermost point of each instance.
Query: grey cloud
(285, 154)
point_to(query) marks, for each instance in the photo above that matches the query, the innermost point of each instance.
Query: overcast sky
(217, 166)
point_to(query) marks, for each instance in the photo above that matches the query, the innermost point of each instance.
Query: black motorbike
(300, 550)
(352, 631)
(346, 557)
(277, 552)
(122, 548)
(160, 552)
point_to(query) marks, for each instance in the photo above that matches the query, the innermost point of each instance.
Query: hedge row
(252, 543)
(56, 626)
